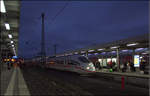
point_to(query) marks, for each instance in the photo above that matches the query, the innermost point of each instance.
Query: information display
(136, 60)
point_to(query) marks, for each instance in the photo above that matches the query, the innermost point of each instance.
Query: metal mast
(55, 48)
(43, 53)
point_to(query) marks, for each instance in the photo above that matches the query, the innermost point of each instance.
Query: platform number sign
(136, 60)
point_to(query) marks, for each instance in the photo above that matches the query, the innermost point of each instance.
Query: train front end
(90, 67)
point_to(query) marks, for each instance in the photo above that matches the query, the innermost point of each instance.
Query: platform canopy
(10, 18)
(132, 43)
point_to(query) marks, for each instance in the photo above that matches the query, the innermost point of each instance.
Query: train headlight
(87, 67)
(91, 64)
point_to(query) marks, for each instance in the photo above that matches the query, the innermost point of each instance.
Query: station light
(3, 10)
(82, 51)
(9, 35)
(132, 44)
(75, 52)
(144, 53)
(100, 49)
(113, 51)
(11, 41)
(139, 48)
(103, 53)
(90, 50)
(124, 50)
(70, 54)
(95, 53)
(114, 47)
(7, 26)
(12, 45)
(66, 54)
(89, 54)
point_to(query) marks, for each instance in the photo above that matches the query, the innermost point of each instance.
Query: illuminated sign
(15, 57)
(136, 60)
(114, 60)
(108, 60)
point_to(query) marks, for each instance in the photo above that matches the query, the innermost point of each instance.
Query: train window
(83, 59)
(59, 62)
(72, 62)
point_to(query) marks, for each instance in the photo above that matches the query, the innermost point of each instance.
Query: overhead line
(59, 12)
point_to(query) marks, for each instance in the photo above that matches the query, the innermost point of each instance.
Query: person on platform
(97, 65)
(132, 67)
(9, 62)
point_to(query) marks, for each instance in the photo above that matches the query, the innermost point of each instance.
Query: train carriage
(74, 63)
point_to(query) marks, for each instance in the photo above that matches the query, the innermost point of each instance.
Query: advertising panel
(104, 62)
(136, 60)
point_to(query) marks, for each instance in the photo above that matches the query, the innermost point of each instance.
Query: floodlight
(11, 41)
(3, 10)
(9, 35)
(7, 26)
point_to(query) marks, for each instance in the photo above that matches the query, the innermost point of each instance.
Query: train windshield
(83, 59)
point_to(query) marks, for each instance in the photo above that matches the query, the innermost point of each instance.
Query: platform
(13, 83)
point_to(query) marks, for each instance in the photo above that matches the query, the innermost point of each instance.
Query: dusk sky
(79, 24)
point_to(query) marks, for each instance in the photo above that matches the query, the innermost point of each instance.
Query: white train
(74, 63)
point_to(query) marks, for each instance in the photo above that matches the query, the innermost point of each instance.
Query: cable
(59, 12)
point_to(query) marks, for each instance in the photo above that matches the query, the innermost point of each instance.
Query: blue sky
(80, 24)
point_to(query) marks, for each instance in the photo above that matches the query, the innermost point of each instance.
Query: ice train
(73, 63)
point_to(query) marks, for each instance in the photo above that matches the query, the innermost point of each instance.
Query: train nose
(90, 67)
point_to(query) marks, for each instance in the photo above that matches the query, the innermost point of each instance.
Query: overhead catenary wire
(61, 10)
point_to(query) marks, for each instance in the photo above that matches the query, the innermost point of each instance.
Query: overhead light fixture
(95, 53)
(12, 45)
(82, 51)
(9, 35)
(70, 54)
(3, 10)
(75, 52)
(114, 47)
(11, 41)
(103, 53)
(140, 49)
(90, 50)
(7, 26)
(113, 51)
(66, 54)
(132, 44)
(89, 54)
(124, 50)
(100, 49)
(144, 53)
